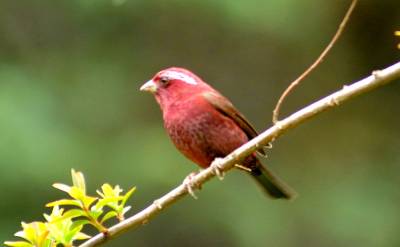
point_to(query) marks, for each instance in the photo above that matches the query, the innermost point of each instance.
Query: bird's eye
(164, 80)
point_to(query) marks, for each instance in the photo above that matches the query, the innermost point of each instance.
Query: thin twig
(319, 60)
(377, 79)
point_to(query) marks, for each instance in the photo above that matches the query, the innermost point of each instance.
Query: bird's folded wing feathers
(224, 106)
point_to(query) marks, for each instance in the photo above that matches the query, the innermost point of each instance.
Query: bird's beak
(149, 86)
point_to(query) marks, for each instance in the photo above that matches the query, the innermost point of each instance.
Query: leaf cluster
(69, 216)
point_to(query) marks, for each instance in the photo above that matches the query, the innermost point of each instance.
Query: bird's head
(174, 84)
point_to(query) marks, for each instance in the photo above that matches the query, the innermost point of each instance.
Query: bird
(204, 125)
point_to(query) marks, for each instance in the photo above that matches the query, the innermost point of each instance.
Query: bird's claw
(244, 168)
(216, 167)
(262, 150)
(190, 186)
(269, 145)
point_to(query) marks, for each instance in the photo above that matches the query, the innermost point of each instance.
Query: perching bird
(204, 125)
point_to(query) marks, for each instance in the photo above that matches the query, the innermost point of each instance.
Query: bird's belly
(205, 136)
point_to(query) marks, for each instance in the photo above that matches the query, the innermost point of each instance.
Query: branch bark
(377, 79)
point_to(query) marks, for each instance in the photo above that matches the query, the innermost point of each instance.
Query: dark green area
(69, 78)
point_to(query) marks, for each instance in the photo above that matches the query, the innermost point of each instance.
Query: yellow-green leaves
(62, 229)
(57, 230)
(69, 215)
(397, 33)
(34, 234)
(77, 191)
(78, 180)
(112, 198)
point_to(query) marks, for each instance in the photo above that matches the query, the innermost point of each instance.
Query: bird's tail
(271, 183)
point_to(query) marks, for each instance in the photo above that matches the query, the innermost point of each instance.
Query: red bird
(204, 125)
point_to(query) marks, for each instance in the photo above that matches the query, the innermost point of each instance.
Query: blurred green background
(69, 78)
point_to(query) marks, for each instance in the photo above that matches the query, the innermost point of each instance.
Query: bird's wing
(224, 106)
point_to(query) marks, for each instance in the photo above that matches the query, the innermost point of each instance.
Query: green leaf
(64, 202)
(95, 213)
(21, 234)
(107, 190)
(81, 236)
(28, 232)
(42, 238)
(78, 180)
(35, 233)
(18, 244)
(57, 230)
(76, 193)
(70, 236)
(79, 223)
(56, 212)
(62, 187)
(32, 231)
(106, 201)
(128, 195)
(70, 214)
(88, 200)
(108, 216)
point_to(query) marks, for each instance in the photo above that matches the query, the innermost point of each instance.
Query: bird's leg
(190, 186)
(216, 166)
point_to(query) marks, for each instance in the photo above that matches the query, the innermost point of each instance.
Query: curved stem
(289, 89)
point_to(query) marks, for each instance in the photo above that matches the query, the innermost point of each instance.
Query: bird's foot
(216, 167)
(190, 185)
(262, 150)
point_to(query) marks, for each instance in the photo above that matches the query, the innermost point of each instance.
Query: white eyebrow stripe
(180, 76)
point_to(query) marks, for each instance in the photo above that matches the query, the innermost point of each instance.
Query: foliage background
(69, 78)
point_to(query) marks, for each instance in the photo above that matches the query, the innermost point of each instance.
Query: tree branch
(377, 79)
(289, 89)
